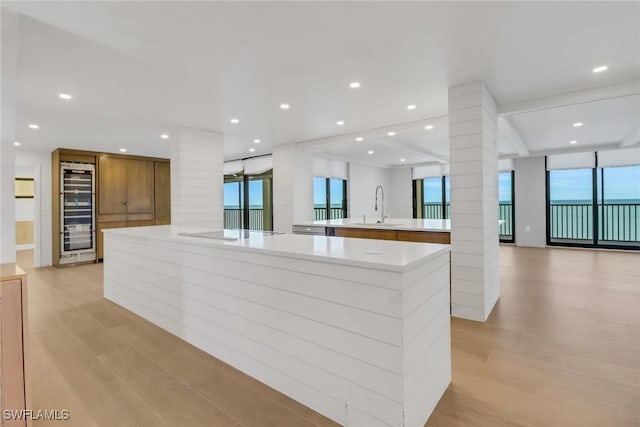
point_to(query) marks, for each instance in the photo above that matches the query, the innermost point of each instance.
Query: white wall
(399, 193)
(9, 37)
(531, 227)
(362, 184)
(39, 163)
(292, 187)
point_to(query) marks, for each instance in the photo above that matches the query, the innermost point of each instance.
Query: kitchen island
(355, 329)
(401, 229)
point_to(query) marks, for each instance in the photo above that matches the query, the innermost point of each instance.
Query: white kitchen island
(355, 329)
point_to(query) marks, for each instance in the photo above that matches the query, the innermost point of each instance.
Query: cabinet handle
(126, 203)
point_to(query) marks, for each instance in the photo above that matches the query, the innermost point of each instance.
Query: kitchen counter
(386, 255)
(358, 330)
(404, 224)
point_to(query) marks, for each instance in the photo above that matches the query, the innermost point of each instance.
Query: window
(329, 198)
(435, 205)
(248, 201)
(506, 206)
(594, 206)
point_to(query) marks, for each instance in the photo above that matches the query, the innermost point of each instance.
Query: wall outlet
(527, 228)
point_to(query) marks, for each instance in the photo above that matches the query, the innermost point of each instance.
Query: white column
(9, 26)
(475, 284)
(197, 178)
(292, 187)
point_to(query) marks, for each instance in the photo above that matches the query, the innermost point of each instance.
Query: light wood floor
(561, 348)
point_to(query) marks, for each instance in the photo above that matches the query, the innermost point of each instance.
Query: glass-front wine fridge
(77, 216)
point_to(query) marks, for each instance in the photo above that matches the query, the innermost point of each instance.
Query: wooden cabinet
(162, 193)
(129, 195)
(406, 236)
(125, 187)
(14, 373)
(139, 187)
(112, 186)
(425, 236)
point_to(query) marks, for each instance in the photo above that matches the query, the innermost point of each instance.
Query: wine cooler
(77, 212)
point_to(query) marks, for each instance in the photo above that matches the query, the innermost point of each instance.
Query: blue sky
(576, 184)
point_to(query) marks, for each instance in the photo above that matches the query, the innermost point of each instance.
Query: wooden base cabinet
(406, 236)
(14, 372)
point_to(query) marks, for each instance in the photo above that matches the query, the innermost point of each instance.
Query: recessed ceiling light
(573, 142)
(370, 152)
(340, 122)
(411, 107)
(354, 85)
(402, 160)
(359, 139)
(577, 124)
(392, 133)
(164, 135)
(235, 121)
(17, 144)
(600, 69)
(284, 106)
(252, 150)
(256, 141)
(428, 127)
(33, 126)
(123, 150)
(64, 96)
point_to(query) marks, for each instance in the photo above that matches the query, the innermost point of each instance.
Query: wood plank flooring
(561, 348)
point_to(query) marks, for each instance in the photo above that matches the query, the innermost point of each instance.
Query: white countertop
(381, 254)
(404, 224)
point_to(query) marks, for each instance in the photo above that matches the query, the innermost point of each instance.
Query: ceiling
(138, 69)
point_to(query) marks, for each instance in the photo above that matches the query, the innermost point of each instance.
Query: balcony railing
(505, 213)
(617, 222)
(320, 214)
(234, 218)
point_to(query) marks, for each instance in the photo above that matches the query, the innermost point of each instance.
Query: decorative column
(475, 284)
(7, 150)
(292, 187)
(197, 178)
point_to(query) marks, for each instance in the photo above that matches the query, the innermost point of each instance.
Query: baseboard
(24, 247)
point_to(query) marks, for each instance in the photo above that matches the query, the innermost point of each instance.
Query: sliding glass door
(248, 201)
(506, 206)
(329, 198)
(234, 202)
(570, 206)
(619, 205)
(594, 207)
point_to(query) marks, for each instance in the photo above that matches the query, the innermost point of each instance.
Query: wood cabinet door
(139, 186)
(12, 348)
(162, 192)
(112, 185)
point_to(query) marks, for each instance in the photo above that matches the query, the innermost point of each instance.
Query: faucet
(382, 215)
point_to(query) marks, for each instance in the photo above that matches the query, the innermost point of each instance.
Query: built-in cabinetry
(14, 372)
(406, 236)
(131, 191)
(162, 194)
